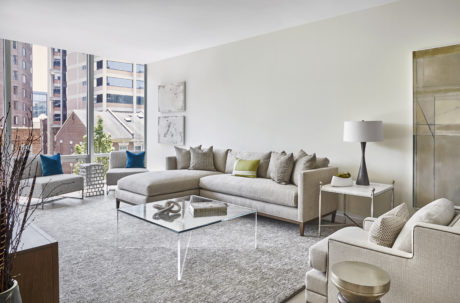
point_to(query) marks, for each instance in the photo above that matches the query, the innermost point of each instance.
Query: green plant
(344, 175)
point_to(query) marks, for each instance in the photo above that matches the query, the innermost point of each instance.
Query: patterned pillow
(387, 227)
(202, 159)
(245, 168)
(274, 157)
(283, 169)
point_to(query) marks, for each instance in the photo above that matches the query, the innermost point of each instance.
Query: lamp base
(363, 178)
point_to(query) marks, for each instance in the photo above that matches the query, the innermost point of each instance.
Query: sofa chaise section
(117, 168)
(158, 185)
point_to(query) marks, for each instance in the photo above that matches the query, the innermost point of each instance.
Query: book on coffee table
(207, 207)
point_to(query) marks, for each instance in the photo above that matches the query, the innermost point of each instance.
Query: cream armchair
(431, 273)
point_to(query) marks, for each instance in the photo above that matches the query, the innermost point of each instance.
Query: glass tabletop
(184, 220)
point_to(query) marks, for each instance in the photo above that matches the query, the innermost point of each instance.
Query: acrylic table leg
(255, 231)
(181, 263)
(178, 258)
(118, 214)
(319, 209)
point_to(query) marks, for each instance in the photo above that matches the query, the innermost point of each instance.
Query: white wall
(294, 88)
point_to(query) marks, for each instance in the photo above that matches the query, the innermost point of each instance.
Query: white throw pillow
(439, 212)
(386, 228)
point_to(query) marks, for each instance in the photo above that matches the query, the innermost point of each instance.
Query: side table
(369, 191)
(359, 282)
(93, 174)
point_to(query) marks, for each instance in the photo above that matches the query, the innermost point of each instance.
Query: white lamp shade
(362, 131)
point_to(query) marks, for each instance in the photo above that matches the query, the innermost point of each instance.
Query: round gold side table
(359, 282)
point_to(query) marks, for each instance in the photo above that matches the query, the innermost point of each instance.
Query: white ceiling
(149, 30)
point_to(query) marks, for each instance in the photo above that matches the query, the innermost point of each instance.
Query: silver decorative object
(164, 211)
(93, 174)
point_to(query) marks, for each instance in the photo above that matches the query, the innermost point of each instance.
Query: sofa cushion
(183, 157)
(50, 186)
(304, 163)
(273, 159)
(163, 182)
(283, 169)
(245, 168)
(319, 251)
(263, 165)
(202, 159)
(115, 174)
(386, 228)
(220, 158)
(260, 189)
(439, 212)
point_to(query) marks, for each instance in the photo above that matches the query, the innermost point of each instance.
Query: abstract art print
(171, 97)
(171, 130)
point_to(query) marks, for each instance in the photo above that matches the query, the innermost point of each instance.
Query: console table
(36, 267)
(369, 191)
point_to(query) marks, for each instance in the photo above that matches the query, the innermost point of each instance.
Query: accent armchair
(117, 168)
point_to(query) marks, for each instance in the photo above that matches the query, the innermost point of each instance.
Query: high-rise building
(21, 84)
(40, 101)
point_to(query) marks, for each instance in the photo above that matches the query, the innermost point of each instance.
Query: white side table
(93, 174)
(369, 191)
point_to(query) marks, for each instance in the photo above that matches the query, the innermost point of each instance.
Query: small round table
(359, 282)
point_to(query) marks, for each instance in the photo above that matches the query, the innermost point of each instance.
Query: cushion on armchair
(439, 212)
(387, 227)
(135, 160)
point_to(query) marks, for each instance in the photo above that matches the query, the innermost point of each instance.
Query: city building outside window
(120, 82)
(15, 60)
(23, 51)
(15, 44)
(24, 93)
(84, 83)
(83, 67)
(16, 106)
(15, 90)
(24, 121)
(24, 65)
(57, 117)
(127, 67)
(99, 81)
(122, 99)
(24, 79)
(140, 84)
(15, 75)
(123, 146)
(99, 64)
(16, 120)
(24, 107)
(140, 68)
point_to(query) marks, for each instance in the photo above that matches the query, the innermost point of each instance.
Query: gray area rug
(222, 264)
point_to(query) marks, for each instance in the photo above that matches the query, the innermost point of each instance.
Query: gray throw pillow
(387, 227)
(183, 157)
(220, 159)
(322, 162)
(300, 154)
(273, 160)
(202, 159)
(283, 169)
(304, 163)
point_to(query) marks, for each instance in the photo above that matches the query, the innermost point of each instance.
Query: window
(15, 90)
(24, 79)
(24, 121)
(56, 91)
(123, 146)
(140, 100)
(15, 44)
(138, 148)
(24, 107)
(57, 77)
(24, 93)
(83, 98)
(24, 53)
(15, 75)
(16, 120)
(83, 67)
(15, 60)
(120, 82)
(140, 84)
(57, 103)
(122, 99)
(16, 105)
(83, 83)
(57, 117)
(99, 64)
(57, 63)
(99, 81)
(140, 68)
(99, 98)
(127, 67)
(24, 64)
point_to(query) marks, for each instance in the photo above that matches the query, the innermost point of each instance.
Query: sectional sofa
(291, 203)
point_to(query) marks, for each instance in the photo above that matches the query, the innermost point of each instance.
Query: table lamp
(363, 131)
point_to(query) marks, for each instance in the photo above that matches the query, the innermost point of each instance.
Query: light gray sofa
(430, 273)
(48, 186)
(295, 204)
(117, 168)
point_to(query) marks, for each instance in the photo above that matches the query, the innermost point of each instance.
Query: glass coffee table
(184, 221)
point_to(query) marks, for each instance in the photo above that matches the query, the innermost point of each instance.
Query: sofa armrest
(309, 193)
(171, 163)
(430, 237)
(368, 222)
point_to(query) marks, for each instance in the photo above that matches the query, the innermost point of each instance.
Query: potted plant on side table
(15, 212)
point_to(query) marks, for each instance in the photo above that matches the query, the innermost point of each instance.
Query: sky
(40, 68)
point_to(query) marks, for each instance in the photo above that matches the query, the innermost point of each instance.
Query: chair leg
(333, 216)
(117, 203)
(302, 228)
(83, 194)
(43, 204)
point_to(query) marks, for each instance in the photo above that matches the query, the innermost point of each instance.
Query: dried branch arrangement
(15, 212)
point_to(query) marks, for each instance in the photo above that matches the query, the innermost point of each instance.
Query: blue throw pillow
(134, 160)
(51, 165)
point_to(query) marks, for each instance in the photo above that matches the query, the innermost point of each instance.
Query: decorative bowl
(341, 182)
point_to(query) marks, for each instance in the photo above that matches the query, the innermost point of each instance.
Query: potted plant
(15, 212)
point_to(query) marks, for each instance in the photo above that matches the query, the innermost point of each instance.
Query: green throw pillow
(245, 168)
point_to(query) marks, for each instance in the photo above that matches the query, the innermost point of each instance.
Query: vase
(11, 295)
